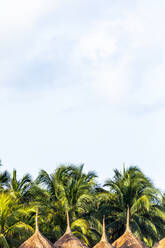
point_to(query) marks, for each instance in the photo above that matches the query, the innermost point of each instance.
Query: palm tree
(20, 188)
(133, 189)
(70, 189)
(12, 226)
(70, 186)
(4, 178)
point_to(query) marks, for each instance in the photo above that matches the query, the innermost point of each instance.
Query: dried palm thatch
(104, 241)
(68, 240)
(128, 239)
(160, 244)
(37, 240)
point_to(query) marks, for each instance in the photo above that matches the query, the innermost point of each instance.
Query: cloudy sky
(83, 82)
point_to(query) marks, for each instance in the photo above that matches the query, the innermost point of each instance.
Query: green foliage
(133, 189)
(68, 188)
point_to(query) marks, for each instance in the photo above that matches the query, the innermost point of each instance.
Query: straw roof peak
(68, 240)
(160, 244)
(37, 240)
(128, 220)
(103, 243)
(68, 229)
(36, 219)
(104, 237)
(128, 239)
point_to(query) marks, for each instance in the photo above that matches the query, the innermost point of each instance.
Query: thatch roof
(68, 240)
(128, 239)
(103, 243)
(160, 244)
(37, 240)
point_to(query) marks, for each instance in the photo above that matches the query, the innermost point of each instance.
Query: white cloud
(112, 82)
(21, 14)
(153, 88)
(97, 46)
(123, 57)
(25, 45)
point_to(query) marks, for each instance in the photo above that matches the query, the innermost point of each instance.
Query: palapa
(37, 240)
(103, 243)
(128, 239)
(68, 240)
(160, 244)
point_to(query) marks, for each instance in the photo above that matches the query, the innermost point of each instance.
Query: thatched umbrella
(37, 240)
(128, 239)
(160, 244)
(68, 240)
(103, 243)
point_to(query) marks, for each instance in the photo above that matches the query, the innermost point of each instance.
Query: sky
(83, 82)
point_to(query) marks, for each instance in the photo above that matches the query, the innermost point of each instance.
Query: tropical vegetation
(69, 188)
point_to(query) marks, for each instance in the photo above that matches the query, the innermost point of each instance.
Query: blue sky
(83, 82)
